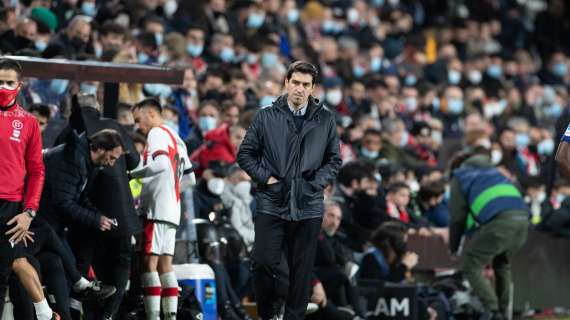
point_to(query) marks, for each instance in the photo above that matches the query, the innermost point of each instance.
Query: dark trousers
(8, 252)
(111, 260)
(297, 242)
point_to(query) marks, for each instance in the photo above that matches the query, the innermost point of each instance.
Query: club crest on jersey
(17, 126)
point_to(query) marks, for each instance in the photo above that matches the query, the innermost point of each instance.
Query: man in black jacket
(109, 252)
(291, 150)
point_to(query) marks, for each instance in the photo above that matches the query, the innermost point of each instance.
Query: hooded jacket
(303, 162)
(217, 146)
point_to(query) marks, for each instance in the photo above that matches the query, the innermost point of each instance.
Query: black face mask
(78, 43)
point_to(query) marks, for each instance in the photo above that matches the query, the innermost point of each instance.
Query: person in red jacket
(22, 176)
(220, 144)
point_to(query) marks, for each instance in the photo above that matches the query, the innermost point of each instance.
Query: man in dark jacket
(291, 150)
(109, 192)
(69, 167)
(72, 41)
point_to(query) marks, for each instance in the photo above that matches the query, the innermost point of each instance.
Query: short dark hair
(372, 131)
(353, 171)
(112, 27)
(148, 40)
(152, 103)
(397, 186)
(106, 139)
(302, 67)
(431, 190)
(41, 109)
(209, 102)
(10, 64)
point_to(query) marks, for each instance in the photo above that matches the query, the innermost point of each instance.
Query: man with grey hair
(71, 42)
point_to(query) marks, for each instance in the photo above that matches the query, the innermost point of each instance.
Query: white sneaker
(312, 308)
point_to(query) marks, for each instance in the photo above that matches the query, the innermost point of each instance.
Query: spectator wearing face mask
(220, 144)
(396, 142)
(208, 191)
(208, 120)
(71, 42)
(334, 95)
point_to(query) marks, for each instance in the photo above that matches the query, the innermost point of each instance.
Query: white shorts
(159, 238)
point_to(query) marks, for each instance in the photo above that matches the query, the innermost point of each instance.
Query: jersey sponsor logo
(17, 125)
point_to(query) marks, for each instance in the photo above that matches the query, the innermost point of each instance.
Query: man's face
(372, 142)
(143, 119)
(9, 79)
(28, 30)
(299, 88)
(112, 40)
(102, 157)
(231, 116)
(331, 219)
(195, 36)
(82, 31)
(401, 198)
(41, 120)
(236, 136)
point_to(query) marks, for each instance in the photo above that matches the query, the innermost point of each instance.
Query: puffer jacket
(303, 162)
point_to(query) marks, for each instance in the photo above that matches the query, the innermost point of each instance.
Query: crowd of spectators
(411, 82)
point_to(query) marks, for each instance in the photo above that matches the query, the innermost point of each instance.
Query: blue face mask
(207, 123)
(58, 86)
(293, 16)
(554, 111)
(40, 45)
(159, 37)
(494, 71)
(194, 49)
(157, 89)
(269, 59)
(255, 20)
(545, 147)
(404, 139)
(369, 154)
(454, 77)
(411, 104)
(172, 125)
(357, 71)
(560, 197)
(410, 80)
(377, 3)
(328, 26)
(227, 55)
(88, 88)
(455, 106)
(266, 101)
(88, 8)
(522, 140)
(143, 57)
(251, 58)
(436, 104)
(560, 69)
(376, 64)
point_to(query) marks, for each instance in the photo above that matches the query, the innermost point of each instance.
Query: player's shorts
(159, 238)
(8, 250)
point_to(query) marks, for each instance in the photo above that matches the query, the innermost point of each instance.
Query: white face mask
(541, 197)
(243, 189)
(334, 97)
(414, 186)
(437, 136)
(216, 186)
(496, 156)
